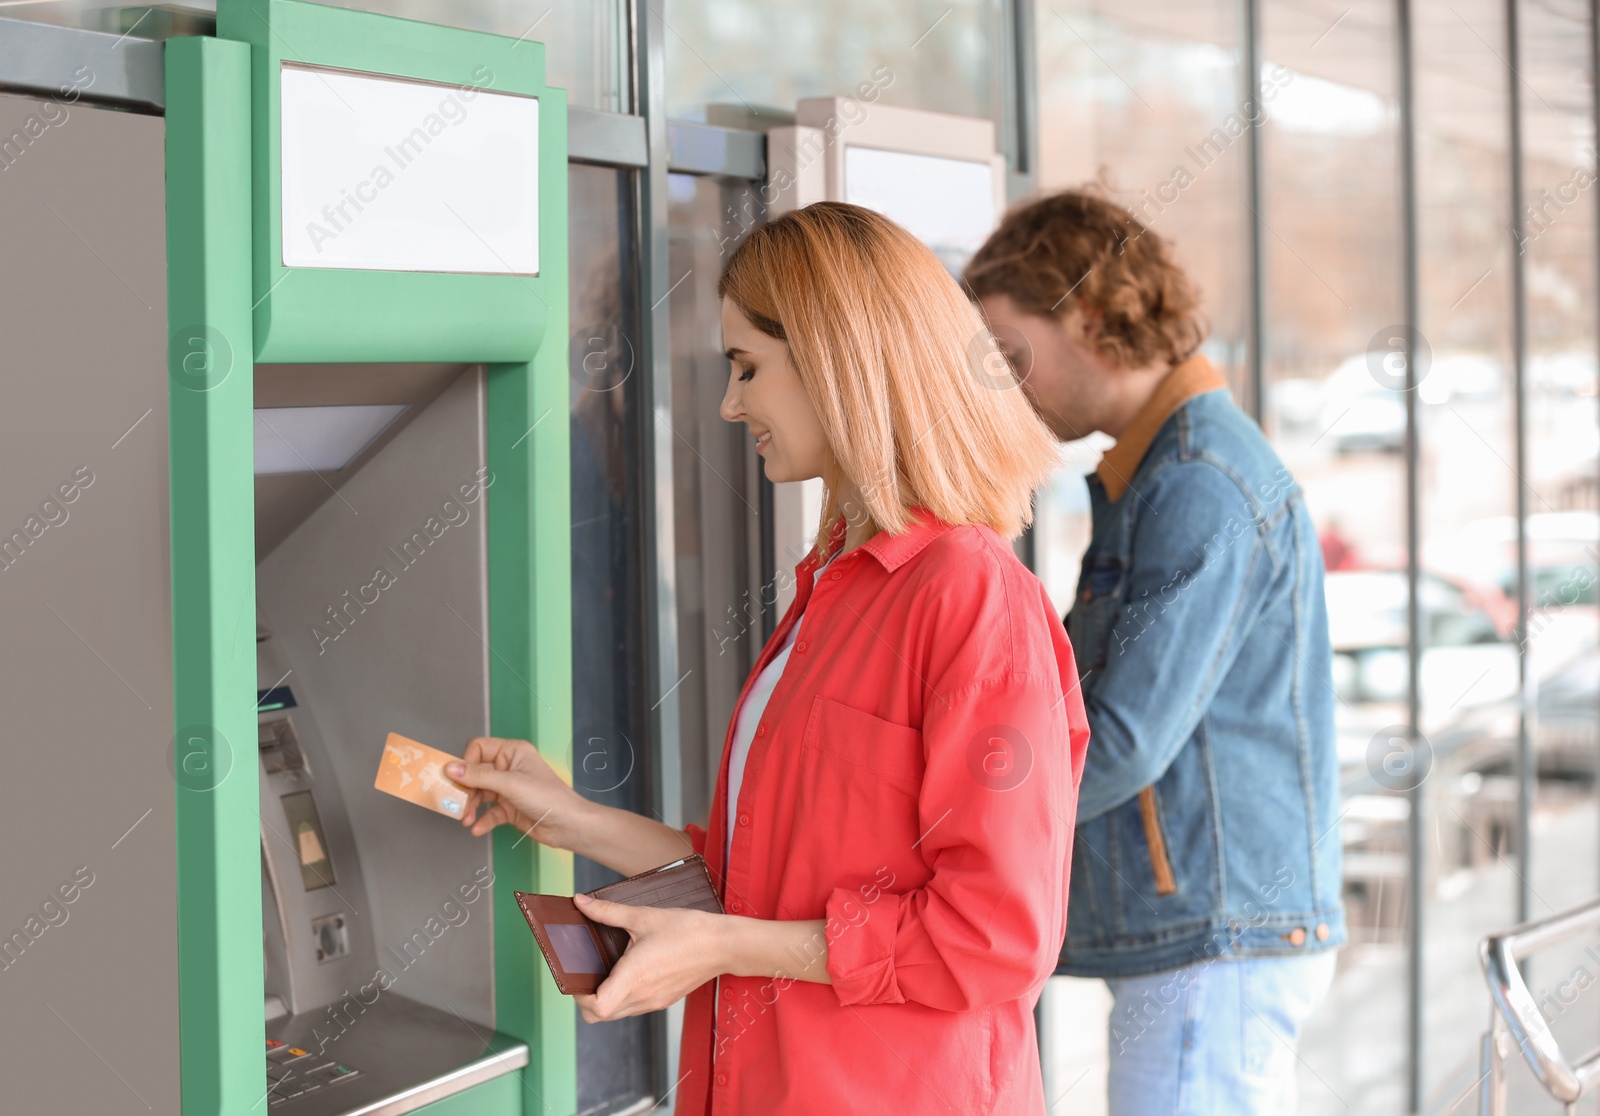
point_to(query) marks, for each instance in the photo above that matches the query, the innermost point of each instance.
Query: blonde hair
(919, 408)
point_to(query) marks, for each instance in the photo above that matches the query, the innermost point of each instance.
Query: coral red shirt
(913, 781)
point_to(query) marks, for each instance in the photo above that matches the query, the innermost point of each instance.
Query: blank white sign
(382, 174)
(948, 204)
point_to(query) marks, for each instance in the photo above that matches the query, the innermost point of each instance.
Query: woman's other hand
(519, 787)
(672, 953)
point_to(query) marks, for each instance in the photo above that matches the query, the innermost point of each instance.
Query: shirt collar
(893, 551)
(1193, 377)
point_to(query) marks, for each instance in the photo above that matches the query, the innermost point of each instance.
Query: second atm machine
(367, 299)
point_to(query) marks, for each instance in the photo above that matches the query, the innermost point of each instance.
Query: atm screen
(305, 834)
(575, 947)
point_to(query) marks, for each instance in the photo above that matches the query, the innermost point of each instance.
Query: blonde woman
(892, 825)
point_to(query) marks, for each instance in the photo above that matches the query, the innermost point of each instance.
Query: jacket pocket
(1094, 612)
(1155, 837)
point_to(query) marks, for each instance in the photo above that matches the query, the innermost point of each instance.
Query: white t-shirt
(749, 716)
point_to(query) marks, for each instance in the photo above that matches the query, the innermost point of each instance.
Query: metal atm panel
(377, 917)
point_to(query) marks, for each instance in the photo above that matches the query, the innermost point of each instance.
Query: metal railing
(1515, 1017)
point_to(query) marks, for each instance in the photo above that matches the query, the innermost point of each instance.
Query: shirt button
(722, 1079)
(761, 730)
(735, 906)
(801, 647)
(744, 819)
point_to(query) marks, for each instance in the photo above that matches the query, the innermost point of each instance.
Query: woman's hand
(672, 953)
(519, 787)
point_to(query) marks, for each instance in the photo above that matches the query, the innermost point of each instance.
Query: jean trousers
(1217, 1038)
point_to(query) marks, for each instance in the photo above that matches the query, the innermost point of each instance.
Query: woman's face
(765, 393)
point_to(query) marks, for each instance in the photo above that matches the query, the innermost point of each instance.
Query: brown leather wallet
(582, 952)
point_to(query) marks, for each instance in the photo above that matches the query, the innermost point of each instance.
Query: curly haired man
(1206, 883)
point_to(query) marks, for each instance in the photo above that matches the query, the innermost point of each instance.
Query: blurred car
(1360, 415)
(1363, 415)
(1465, 376)
(1571, 373)
(1468, 658)
(1563, 549)
(1295, 402)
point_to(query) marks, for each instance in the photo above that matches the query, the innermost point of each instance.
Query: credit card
(415, 772)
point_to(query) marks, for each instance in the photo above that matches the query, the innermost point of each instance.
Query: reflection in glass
(725, 64)
(716, 485)
(586, 40)
(609, 762)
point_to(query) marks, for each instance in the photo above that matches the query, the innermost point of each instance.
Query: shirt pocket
(1094, 611)
(883, 747)
(860, 778)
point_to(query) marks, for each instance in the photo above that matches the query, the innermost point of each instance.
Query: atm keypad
(292, 1071)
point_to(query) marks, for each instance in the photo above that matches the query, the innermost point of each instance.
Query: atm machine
(941, 176)
(366, 280)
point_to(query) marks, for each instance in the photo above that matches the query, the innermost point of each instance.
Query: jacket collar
(1193, 377)
(892, 551)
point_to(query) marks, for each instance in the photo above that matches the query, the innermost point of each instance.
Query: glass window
(1149, 104)
(1558, 249)
(609, 714)
(1466, 440)
(716, 485)
(586, 40)
(744, 63)
(1330, 217)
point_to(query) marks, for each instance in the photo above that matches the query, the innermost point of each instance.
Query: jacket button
(801, 647)
(761, 730)
(1322, 931)
(722, 1079)
(735, 906)
(744, 819)
(1297, 936)
(835, 576)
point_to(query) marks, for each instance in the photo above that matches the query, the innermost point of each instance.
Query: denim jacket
(1208, 819)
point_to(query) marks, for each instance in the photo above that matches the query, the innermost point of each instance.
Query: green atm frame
(231, 304)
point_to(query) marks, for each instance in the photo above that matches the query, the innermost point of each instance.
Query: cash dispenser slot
(377, 916)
